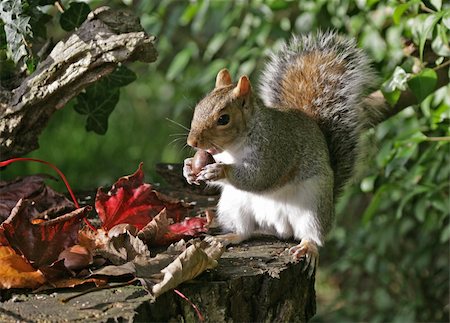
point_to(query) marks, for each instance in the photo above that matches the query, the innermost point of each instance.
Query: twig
(442, 65)
(59, 6)
(438, 138)
(426, 9)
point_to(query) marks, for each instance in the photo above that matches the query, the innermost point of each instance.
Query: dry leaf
(41, 243)
(197, 258)
(32, 188)
(16, 272)
(167, 269)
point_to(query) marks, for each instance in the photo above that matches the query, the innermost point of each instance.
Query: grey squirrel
(282, 158)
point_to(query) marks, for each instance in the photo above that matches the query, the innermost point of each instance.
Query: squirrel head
(221, 118)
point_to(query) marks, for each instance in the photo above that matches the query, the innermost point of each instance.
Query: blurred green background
(387, 259)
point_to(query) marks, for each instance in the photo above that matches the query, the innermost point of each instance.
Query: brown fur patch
(308, 81)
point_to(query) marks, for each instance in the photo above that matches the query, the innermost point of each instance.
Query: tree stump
(254, 281)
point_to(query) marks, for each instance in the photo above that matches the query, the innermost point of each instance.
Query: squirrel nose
(192, 142)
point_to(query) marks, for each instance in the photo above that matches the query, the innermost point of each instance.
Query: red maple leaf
(187, 228)
(132, 201)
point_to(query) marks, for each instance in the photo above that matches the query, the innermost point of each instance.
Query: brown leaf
(155, 229)
(32, 188)
(198, 257)
(41, 243)
(76, 257)
(170, 268)
(16, 272)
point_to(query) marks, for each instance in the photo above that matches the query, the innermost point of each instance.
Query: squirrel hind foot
(309, 252)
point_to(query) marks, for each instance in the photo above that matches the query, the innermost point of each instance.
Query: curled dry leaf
(16, 272)
(132, 201)
(123, 248)
(197, 258)
(155, 229)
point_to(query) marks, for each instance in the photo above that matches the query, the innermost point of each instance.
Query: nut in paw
(212, 172)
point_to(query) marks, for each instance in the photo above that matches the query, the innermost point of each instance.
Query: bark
(106, 39)
(254, 282)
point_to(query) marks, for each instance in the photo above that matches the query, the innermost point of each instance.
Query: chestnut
(200, 160)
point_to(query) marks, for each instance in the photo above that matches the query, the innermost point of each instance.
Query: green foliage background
(387, 258)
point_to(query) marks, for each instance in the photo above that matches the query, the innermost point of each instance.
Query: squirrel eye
(223, 120)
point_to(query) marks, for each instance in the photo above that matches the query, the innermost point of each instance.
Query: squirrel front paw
(212, 172)
(188, 173)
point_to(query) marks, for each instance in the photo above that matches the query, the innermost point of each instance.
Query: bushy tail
(326, 76)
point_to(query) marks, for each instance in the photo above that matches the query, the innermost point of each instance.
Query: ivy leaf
(100, 99)
(121, 76)
(97, 103)
(423, 83)
(16, 28)
(74, 16)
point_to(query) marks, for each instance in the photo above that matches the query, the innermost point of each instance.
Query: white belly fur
(286, 212)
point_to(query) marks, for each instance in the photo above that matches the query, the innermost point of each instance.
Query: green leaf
(446, 19)
(418, 189)
(445, 234)
(179, 63)
(437, 4)
(16, 27)
(375, 202)
(423, 83)
(426, 29)
(74, 16)
(278, 4)
(120, 77)
(391, 97)
(97, 103)
(440, 44)
(399, 11)
(214, 45)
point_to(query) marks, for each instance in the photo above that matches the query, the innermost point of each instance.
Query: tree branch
(106, 39)
(379, 110)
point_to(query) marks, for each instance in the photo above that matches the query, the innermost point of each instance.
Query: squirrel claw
(307, 250)
(211, 172)
(187, 172)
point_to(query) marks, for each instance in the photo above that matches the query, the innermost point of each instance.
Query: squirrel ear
(243, 87)
(223, 78)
